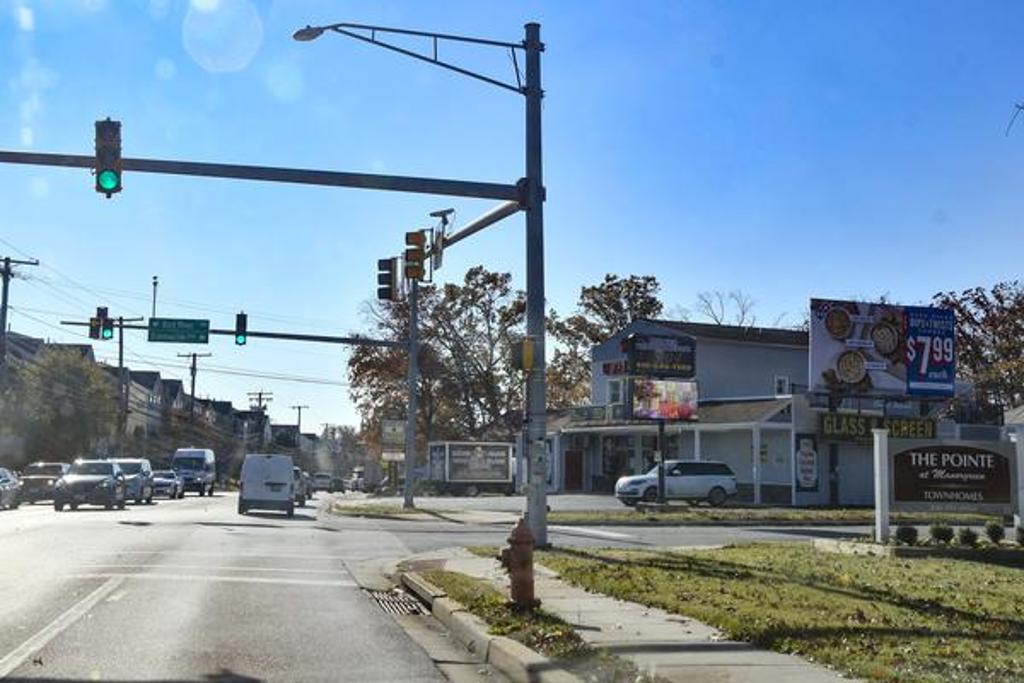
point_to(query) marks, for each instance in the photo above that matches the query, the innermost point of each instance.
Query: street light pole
(536, 413)
(410, 410)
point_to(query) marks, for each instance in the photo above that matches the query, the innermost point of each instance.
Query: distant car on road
(197, 468)
(267, 483)
(691, 480)
(138, 478)
(322, 481)
(337, 485)
(92, 482)
(167, 483)
(10, 489)
(38, 480)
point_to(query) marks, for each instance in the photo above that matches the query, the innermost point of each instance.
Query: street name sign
(179, 330)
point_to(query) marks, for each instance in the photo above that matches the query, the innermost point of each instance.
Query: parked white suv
(691, 480)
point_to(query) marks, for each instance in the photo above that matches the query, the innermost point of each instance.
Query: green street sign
(179, 330)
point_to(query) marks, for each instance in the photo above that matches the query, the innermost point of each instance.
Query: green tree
(990, 340)
(65, 404)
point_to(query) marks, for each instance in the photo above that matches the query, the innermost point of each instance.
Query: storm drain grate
(396, 602)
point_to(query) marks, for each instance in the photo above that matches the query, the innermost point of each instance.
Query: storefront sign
(880, 349)
(955, 475)
(844, 427)
(669, 400)
(479, 462)
(392, 433)
(806, 463)
(660, 356)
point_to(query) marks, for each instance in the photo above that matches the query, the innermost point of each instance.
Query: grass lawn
(879, 619)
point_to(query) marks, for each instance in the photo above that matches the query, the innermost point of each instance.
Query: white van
(197, 468)
(267, 484)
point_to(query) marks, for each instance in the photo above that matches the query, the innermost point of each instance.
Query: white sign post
(882, 484)
(1018, 506)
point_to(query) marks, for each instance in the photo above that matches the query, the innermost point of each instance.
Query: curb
(512, 658)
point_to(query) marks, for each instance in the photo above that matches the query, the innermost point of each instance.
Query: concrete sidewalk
(673, 647)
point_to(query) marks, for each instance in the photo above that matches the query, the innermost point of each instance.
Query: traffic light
(241, 325)
(387, 279)
(108, 157)
(107, 328)
(94, 328)
(416, 242)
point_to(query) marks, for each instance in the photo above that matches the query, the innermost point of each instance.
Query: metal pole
(192, 406)
(410, 414)
(661, 462)
(535, 394)
(123, 393)
(156, 281)
(3, 311)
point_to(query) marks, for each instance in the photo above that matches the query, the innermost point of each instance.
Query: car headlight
(50, 482)
(60, 484)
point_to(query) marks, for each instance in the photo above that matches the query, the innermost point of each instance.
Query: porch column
(696, 443)
(756, 434)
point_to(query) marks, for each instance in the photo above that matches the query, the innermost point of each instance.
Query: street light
(531, 201)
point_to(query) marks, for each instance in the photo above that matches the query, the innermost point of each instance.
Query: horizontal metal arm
(427, 34)
(476, 225)
(366, 181)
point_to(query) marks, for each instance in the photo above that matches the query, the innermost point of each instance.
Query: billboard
(392, 433)
(661, 399)
(881, 349)
(468, 462)
(661, 356)
(955, 476)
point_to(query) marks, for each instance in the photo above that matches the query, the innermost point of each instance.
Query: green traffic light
(240, 339)
(108, 334)
(108, 180)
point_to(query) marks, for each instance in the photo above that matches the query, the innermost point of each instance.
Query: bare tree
(727, 308)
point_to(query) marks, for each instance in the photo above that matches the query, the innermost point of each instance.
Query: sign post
(881, 484)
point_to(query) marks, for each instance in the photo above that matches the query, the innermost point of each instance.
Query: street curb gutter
(512, 658)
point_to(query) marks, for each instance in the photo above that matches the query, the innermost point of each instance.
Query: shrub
(907, 535)
(967, 536)
(941, 533)
(995, 531)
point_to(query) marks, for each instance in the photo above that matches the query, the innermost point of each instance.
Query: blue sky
(790, 150)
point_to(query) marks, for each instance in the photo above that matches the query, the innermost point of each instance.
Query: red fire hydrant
(517, 559)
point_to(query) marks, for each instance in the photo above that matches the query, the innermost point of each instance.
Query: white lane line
(214, 578)
(599, 533)
(117, 596)
(210, 567)
(298, 557)
(17, 657)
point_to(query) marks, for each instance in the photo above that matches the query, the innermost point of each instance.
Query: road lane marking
(117, 596)
(599, 533)
(214, 578)
(17, 657)
(296, 556)
(211, 567)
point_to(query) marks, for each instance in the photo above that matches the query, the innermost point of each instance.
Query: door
(833, 474)
(573, 470)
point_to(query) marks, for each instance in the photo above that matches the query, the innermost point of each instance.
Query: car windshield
(105, 468)
(189, 464)
(43, 470)
(130, 467)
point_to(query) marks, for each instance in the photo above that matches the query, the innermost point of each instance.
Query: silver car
(138, 476)
(691, 480)
(168, 483)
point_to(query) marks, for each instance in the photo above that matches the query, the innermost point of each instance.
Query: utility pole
(194, 356)
(259, 398)
(122, 375)
(156, 282)
(410, 414)
(536, 401)
(7, 274)
(300, 409)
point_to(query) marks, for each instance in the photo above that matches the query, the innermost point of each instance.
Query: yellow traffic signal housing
(415, 254)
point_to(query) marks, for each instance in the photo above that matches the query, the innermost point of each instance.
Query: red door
(574, 470)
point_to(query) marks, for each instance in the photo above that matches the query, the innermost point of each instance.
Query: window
(614, 391)
(781, 385)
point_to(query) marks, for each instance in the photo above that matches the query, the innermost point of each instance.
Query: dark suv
(38, 480)
(91, 482)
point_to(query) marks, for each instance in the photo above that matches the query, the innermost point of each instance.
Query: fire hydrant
(517, 559)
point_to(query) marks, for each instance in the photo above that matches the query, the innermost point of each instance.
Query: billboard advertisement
(660, 399)
(881, 349)
(479, 462)
(660, 356)
(807, 469)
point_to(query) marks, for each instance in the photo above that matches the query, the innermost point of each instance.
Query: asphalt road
(575, 502)
(190, 591)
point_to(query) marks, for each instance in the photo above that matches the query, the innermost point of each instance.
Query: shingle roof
(146, 378)
(761, 335)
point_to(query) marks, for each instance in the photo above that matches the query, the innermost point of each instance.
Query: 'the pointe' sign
(953, 476)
